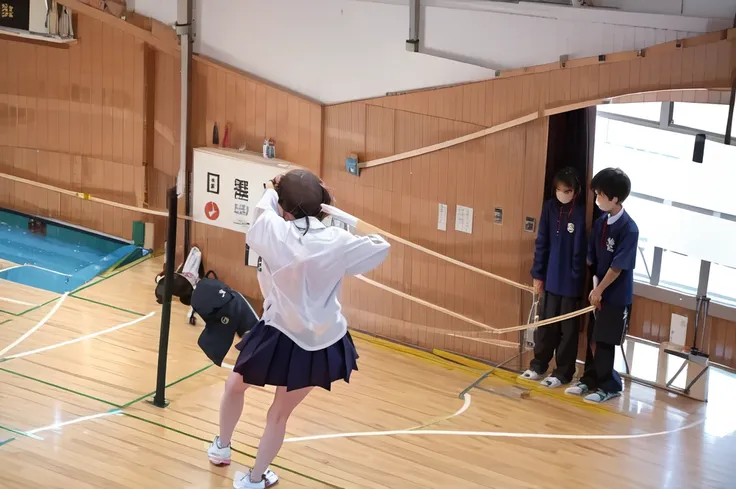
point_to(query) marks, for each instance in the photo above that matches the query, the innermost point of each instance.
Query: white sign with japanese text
(226, 186)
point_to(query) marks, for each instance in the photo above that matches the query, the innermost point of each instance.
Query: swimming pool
(56, 256)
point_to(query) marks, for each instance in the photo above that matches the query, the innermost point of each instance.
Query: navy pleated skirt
(269, 357)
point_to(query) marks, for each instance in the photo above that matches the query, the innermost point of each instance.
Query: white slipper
(551, 382)
(530, 375)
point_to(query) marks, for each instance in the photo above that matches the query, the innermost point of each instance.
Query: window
(722, 284)
(645, 110)
(684, 208)
(680, 272)
(704, 117)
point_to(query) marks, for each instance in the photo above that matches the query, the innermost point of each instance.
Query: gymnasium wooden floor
(76, 416)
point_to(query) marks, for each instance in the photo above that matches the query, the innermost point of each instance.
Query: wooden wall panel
(69, 117)
(250, 110)
(650, 320)
(502, 170)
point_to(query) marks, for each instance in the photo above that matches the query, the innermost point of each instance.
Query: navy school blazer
(559, 254)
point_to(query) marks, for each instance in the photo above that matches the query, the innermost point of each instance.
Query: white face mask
(604, 204)
(564, 198)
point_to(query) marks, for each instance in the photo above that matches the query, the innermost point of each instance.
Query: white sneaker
(242, 480)
(219, 455)
(530, 375)
(578, 389)
(551, 382)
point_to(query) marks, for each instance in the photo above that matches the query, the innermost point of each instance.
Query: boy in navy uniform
(612, 257)
(559, 274)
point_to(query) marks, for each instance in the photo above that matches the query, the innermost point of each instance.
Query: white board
(678, 329)
(464, 219)
(226, 186)
(442, 217)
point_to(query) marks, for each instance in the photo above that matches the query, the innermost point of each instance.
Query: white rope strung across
(365, 228)
(36, 327)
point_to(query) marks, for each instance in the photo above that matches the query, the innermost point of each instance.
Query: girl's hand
(538, 287)
(272, 183)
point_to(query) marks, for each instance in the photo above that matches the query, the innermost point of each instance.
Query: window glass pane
(673, 365)
(705, 117)
(722, 284)
(644, 363)
(660, 164)
(644, 110)
(680, 272)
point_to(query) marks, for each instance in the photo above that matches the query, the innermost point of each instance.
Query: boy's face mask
(604, 203)
(565, 194)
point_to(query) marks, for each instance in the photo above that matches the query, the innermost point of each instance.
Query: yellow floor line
(531, 385)
(415, 352)
(475, 368)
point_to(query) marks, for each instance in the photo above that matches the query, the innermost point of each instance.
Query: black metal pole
(159, 399)
(729, 123)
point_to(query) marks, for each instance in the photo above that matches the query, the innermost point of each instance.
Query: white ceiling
(339, 50)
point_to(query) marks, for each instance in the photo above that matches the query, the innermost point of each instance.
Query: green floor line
(189, 376)
(5, 442)
(6, 321)
(19, 314)
(115, 271)
(20, 433)
(102, 279)
(78, 290)
(56, 386)
(107, 305)
(249, 455)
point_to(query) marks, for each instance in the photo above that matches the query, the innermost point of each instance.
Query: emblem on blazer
(570, 227)
(610, 243)
(224, 319)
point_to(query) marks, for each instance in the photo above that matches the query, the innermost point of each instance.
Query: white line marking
(56, 426)
(35, 328)
(492, 434)
(13, 301)
(47, 270)
(10, 268)
(460, 411)
(81, 338)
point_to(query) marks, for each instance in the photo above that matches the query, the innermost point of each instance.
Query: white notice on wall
(442, 217)
(678, 329)
(464, 219)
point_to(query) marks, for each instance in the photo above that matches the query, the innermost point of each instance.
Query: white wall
(695, 8)
(339, 50)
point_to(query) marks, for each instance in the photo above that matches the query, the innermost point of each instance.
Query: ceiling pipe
(412, 44)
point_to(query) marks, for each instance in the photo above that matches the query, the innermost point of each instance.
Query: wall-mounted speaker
(699, 148)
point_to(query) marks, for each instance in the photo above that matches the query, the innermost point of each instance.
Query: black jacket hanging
(225, 313)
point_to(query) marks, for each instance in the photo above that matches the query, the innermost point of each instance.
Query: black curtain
(571, 142)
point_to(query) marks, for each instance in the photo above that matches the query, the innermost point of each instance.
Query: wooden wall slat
(62, 122)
